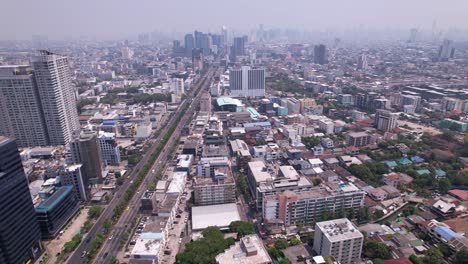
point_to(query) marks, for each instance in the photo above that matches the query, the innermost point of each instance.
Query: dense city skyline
(114, 19)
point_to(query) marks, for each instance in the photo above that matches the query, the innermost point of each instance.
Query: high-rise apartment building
(189, 43)
(177, 86)
(385, 120)
(446, 51)
(340, 239)
(110, 152)
(239, 46)
(85, 149)
(362, 62)
(247, 82)
(20, 234)
(320, 54)
(72, 175)
(197, 59)
(57, 96)
(21, 114)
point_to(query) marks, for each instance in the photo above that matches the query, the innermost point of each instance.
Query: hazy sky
(111, 18)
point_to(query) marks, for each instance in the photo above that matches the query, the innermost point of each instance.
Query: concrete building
(217, 189)
(57, 96)
(264, 180)
(340, 239)
(326, 125)
(247, 82)
(110, 152)
(249, 249)
(320, 54)
(220, 215)
(386, 120)
(207, 166)
(20, 107)
(308, 206)
(358, 139)
(72, 175)
(85, 149)
(20, 239)
(55, 211)
(177, 86)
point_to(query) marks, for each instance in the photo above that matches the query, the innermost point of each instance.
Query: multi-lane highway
(111, 246)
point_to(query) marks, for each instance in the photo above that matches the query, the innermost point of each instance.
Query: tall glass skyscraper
(19, 230)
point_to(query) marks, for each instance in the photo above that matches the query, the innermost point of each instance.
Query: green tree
(242, 228)
(95, 211)
(377, 261)
(444, 185)
(284, 261)
(281, 244)
(461, 257)
(409, 210)
(295, 242)
(274, 252)
(433, 256)
(378, 214)
(317, 181)
(415, 259)
(310, 142)
(374, 249)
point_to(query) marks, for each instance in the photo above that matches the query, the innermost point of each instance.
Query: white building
(71, 175)
(57, 96)
(249, 249)
(20, 114)
(340, 239)
(177, 86)
(247, 82)
(327, 126)
(110, 152)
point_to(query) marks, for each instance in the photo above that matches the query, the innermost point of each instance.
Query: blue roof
(404, 161)
(440, 173)
(260, 124)
(108, 123)
(55, 198)
(228, 101)
(253, 113)
(417, 159)
(446, 233)
(423, 171)
(151, 236)
(391, 163)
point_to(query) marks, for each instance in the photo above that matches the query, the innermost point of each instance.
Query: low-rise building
(249, 249)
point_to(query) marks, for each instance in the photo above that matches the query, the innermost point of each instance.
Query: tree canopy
(242, 228)
(204, 250)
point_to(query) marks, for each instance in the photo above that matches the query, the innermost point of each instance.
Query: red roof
(398, 261)
(460, 194)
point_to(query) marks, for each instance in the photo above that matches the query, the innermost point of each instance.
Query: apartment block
(340, 239)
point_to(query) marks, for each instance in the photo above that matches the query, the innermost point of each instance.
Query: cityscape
(235, 141)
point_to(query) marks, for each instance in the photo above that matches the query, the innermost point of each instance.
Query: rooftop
(339, 229)
(220, 215)
(248, 250)
(55, 198)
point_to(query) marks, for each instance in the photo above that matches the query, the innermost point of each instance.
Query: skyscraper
(57, 96)
(20, 234)
(362, 62)
(320, 54)
(239, 46)
(385, 120)
(446, 51)
(189, 43)
(247, 82)
(21, 115)
(202, 41)
(197, 59)
(85, 149)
